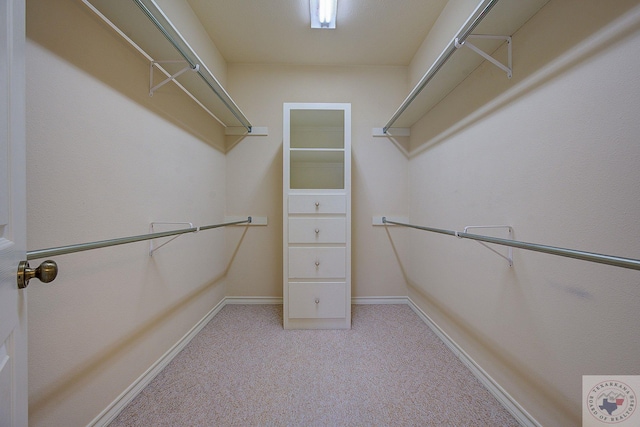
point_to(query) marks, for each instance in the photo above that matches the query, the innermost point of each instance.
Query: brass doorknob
(46, 272)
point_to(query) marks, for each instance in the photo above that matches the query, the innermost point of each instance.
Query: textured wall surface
(104, 160)
(379, 169)
(553, 153)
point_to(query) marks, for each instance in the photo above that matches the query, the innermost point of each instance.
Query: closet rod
(481, 11)
(44, 253)
(633, 264)
(215, 87)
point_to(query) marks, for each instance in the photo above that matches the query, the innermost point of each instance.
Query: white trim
(253, 300)
(509, 403)
(379, 300)
(114, 409)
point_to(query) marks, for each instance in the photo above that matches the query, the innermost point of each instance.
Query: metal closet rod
(43, 253)
(224, 97)
(481, 11)
(631, 263)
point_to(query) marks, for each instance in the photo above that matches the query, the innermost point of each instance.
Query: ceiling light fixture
(323, 13)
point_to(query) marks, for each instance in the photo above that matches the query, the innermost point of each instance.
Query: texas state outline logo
(610, 400)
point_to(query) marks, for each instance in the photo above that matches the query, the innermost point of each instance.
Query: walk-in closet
(237, 212)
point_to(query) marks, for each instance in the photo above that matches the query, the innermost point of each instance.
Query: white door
(13, 334)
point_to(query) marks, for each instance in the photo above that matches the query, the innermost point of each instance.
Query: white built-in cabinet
(317, 215)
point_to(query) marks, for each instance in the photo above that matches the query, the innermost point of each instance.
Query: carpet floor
(244, 369)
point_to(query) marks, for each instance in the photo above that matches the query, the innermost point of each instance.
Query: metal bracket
(506, 68)
(509, 256)
(170, 78)
(151, 248)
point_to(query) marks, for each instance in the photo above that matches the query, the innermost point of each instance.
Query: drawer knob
(317, 230)
(317, 300)
(317, 204)
(317, 263)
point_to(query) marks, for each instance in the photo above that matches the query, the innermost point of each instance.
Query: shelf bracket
(153, 249)
(506, 68)
(509, 256)
(153, 88)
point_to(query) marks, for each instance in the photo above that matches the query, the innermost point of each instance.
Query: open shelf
(143, 24)
(317, 168)
(454, 64)
(317, 129)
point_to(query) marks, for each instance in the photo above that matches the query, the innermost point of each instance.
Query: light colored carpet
(243, 369)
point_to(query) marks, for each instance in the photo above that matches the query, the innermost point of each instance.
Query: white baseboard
(253, 300)
(112, 411)
(379, 300)
(510, 404)
(278, 300)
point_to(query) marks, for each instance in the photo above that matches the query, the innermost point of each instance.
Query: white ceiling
(369, 32)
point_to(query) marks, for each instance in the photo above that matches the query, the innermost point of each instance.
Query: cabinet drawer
(322, 263)
(317, 300)
(317, 230)
(318, 204)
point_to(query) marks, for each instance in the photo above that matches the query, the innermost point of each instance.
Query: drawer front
(319, 204)
(321, 263)
(317, 230)
(317, 300)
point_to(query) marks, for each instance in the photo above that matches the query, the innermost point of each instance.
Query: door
(13, 334)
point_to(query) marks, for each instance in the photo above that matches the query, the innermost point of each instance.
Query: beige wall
(554, 153)
(104, 160)
(124, 159)
(379, 173)
(188, 25)
(445, 28)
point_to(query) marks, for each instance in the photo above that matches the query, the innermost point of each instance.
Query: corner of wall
(188, 24)
(454, 14)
